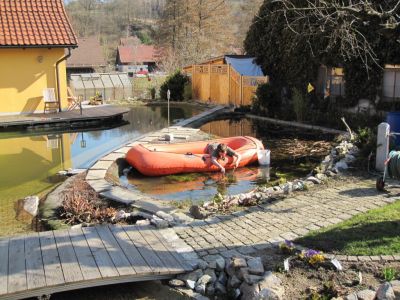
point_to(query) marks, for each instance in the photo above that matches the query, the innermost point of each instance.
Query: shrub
(176, 84)
(389, 274)
(300, 105)
(266, 101)
(187, 91)
(152, 91)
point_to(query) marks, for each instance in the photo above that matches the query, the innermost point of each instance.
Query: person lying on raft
(220, 151)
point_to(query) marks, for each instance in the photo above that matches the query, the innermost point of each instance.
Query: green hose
(394, 165)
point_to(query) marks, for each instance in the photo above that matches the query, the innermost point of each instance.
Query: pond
(30, 160)
(294, 153)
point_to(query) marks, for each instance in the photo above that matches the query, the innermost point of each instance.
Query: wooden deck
(65, 117)
(54, 261)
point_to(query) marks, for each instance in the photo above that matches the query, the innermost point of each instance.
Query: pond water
(294, 153)
(30, 160)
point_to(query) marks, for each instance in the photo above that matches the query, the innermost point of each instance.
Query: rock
(352, 296)
(143, 223)
(158, 222)
(220, 288)
(211, 273)
(181, 218)
(197, 296)
(238, 262)
(321, 177)
(205, 279)
(140, 214)
(234, 282)
(366, 295)
(201, 288)
(31, 204)
(76, 226)
(220, 264)
(385, 292)
(193, 276)
(341, 165)
(349, 158)
(202, 264)
(329, 173)
(210, 290)
(287, 188)
(255, 266)
(242, 273)
(396, 288)
(121, 215)
(165, 216)
(313, 180)
(191, 284)
(249, 292)
(176, 283)
(269, 294)
(273, 284)
(252, 279)
(222, 278)
(196, 212)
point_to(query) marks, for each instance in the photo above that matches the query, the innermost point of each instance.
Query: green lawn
(376, 232)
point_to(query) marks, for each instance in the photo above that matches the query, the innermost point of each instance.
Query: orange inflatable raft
(167, 159)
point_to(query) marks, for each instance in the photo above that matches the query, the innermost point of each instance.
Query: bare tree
(346, 25)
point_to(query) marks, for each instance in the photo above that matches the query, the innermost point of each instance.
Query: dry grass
(81, 204)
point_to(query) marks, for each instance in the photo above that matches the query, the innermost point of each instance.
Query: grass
(375, 232)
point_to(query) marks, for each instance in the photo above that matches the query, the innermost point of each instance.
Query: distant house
(33, 39)
(87, 58)
(133, 58)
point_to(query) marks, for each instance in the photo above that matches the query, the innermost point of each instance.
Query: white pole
(168, 97)
(382, 147)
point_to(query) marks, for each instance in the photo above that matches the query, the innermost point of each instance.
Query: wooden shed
(226, 80)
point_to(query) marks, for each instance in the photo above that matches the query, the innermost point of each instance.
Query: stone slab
(102, 165)
(100, 185)
(96, 174)
(113, 156)
(123, 150)
(120, 195)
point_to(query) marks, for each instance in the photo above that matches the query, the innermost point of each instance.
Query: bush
(266, 101)
(187, 91)
(176, 84)
(300, 105)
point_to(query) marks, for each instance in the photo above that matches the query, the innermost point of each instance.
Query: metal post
(168, 98)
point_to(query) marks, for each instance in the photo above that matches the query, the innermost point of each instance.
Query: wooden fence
(221, 84)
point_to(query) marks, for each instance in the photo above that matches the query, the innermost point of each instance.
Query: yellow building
(34, 36)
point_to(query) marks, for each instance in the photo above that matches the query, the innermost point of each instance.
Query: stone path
(262, 226)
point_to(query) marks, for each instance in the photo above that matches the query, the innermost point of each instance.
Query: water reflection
(286, 164)
(29, 161)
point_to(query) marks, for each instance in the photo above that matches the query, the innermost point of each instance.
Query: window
(391, 82)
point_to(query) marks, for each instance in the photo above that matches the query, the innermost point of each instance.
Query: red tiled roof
(88, 54)
(35, 23)
(137, 54)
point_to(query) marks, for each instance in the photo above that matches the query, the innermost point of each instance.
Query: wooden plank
(132, 253)
(173, 252)
(4, 243)
(69, 263)
(34, 263)
(100, 254)
(114, 250)
(145, 250)
(169, 261)
(16, 265)
(84, 255)
(51, 261)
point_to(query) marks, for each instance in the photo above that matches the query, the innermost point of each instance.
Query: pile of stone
(386, 291)
(338, 160)
(235, 277)
(160, 219)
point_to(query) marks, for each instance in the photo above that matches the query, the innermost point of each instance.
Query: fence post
(229, 83)
(241, 90)
(209, 82)
(194, 93)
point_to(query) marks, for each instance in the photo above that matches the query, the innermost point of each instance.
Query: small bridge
(54, 261)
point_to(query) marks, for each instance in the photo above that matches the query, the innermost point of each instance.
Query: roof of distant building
(88, 54)
(130, 41)
(137, 54)
(38, 23)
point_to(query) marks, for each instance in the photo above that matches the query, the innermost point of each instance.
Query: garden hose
(393, 166)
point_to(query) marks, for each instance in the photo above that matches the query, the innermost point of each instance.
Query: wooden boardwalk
(88, 114)
(54, 261)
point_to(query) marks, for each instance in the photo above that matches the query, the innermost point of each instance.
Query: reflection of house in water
(227, 128)
(32, 159)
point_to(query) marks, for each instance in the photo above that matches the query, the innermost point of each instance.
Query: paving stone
(113, 156)
(102, 165)
(100, 185)
(96, 174)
